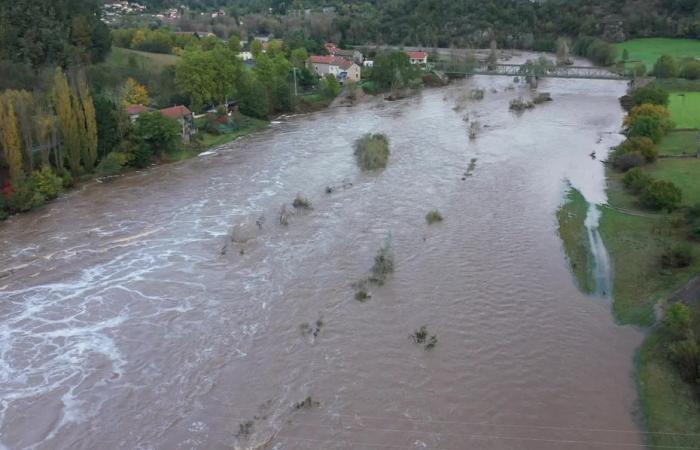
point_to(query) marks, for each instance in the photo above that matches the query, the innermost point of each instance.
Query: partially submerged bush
(433, 216)
(642, 145)
(307, 403)
(476, 94)
(626, 161)
(112, 164)
(421, 336)
(301, 202)
(372, 151)
(519, 104)
(542, 97)
(383, 263)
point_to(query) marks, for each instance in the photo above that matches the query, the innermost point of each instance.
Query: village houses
(418, 57)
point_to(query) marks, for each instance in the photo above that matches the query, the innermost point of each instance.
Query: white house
(341, 68)
(245, 55)
(418, 57)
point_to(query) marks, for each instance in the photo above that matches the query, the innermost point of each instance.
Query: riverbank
(636, 240)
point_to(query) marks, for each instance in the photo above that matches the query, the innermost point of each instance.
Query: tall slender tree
(68, 122)
(11, 141)
(89, 148)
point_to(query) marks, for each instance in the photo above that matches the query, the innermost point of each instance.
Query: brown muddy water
(130, 320)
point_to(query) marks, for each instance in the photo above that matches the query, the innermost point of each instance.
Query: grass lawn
(679, 143)
(249, 125)
(635, 245)
(649, 50)
(573, 233)
(669, 404)
(684, 172)
(685, 109)
(122, 57)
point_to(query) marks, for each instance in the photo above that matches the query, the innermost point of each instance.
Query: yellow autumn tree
(11, 142)
(135, 93)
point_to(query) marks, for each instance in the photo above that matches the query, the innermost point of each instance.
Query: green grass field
(649, 50)
(678, 143)
(573, 233)
(684, 172)
(685, 109)
(122, 57)
(668, 402)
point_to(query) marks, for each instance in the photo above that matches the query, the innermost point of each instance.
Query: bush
(677, 321)
(301, 202)
(383, 263)
(330, 87)
(665, 67)
(626, 161)
(677, 257)
(47, 183)
(691, 70)
(648, 120)
(372, 151)
(636, 180)
(686, 355)
(25, 196)
(433, 216)
(643, 145)
(112, 164)
(662, 194)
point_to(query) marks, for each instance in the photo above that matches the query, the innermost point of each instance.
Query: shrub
(433, 216)
(665, 67)
(25, 196)
(47, 183)
(518, 104)
(644, 145)
(677, 321)
(301, 202)
(4, 208)
(662, 194)
(372, 151)
(691, 69)
(330, 87)
(112, 164)
(626, 161)
(677, 257)
(686, 355)
(383, 263)
(647, 120)
(636, 180)
(66, 177)
(421, 336)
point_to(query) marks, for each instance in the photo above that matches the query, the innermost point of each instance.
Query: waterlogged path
(129, 320)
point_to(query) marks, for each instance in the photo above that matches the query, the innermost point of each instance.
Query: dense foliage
(40, 32)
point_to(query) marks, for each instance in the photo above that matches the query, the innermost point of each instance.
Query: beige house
(339, 67)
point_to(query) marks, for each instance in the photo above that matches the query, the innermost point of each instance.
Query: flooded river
(129, 319)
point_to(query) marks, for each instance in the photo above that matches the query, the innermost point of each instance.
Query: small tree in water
(383, 263)
(563, 57)
(492, 61)
(372, 151)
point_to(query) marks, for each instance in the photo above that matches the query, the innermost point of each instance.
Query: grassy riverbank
(572, 230)
(636, 238)
(685, 109)
(670, 404)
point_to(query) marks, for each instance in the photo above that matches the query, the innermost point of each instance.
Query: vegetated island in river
(651, 228)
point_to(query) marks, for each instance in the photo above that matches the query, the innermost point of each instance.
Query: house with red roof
(339, 67)
(418, 57)
(185, 118)
(134, 111)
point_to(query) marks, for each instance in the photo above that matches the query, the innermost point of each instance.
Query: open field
(684, 172)
(685, 109)
(573, 233)
(122, 57)
(678, 143)
(635, 245)
(649, 50)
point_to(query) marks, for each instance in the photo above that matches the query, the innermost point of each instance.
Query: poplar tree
(11, 141)
(90, 134)
(68, 120)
